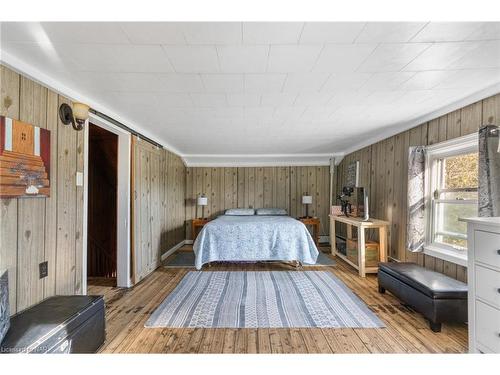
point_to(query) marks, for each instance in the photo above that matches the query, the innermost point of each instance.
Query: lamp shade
(307, 199)
(81, 111)
(202, 201)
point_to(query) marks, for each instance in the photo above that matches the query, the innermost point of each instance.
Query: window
(452, 181)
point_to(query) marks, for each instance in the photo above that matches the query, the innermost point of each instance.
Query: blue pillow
(4, 304)
(240, 212)
(272, 211)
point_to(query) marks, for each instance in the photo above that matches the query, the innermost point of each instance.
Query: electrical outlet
(44, 269)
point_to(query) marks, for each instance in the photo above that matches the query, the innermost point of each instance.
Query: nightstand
(315, 223)
(196, 226)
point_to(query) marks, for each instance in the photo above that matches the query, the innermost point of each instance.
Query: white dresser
(484, 284)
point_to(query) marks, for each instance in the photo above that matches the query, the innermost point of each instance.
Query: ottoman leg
(381, 289)
(435, 327)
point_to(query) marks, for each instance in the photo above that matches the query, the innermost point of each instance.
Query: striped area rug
(262, 299)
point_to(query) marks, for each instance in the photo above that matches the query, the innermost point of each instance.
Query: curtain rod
(123, 126)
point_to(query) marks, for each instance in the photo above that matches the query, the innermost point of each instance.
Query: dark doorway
(102, 206)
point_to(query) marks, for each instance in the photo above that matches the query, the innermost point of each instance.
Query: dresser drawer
(487, 248)
(488, 285)
(488, 326)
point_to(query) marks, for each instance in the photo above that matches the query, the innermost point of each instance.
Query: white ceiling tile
(382, 98)
(96, 81)
(426, 80)
(346, 98)
(83, 32)
(345, 81)
(386, 81)
(212, 32)
(446, 31)
(271, 32)
(258, 112)
(283, 113)
(278, 99)
(485, 55)
(46, 57)
(154, 32)
(193, 59)
(470, 79)
(330, 32)
(389, 32)
(392, 57)
(27, 32)
(313, 98)
(209, 100)
(173, 100)
(181, 83)
(296, 82)
(119, 58)
(262, 83)
(487, 31)
(146, 100)
(343, 57)
(223, 82)
(243, 100)
(318, 113)
(284, 59)
(243, 59)
(441, 55)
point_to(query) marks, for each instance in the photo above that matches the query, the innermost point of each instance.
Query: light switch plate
(79, 179)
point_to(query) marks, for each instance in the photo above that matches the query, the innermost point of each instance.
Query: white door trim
(123, 202)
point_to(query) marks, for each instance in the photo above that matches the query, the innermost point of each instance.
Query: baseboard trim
(188, 242)
(169, 252)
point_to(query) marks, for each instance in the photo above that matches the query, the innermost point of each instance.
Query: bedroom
(250, 187)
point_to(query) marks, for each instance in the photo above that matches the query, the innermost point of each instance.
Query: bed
(254, 238)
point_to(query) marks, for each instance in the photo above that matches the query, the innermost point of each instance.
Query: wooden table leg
(316, 234)
(361, 252)
(333, 238)
(383, 243)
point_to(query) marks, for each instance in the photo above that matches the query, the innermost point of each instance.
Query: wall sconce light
(76, 116)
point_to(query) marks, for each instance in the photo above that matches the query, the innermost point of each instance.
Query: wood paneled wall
(34, 230)
(384, 170)
(282, 187)
(159, 183)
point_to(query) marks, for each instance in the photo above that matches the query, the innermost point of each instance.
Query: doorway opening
(102, 207)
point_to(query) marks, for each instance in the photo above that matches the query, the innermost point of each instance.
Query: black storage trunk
(60, 324)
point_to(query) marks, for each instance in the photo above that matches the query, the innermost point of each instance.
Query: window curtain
(489, 171)
(415, 231)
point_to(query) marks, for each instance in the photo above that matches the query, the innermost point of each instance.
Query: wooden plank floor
(407, 332)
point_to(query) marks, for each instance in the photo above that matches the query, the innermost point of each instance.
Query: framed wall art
(24, 159)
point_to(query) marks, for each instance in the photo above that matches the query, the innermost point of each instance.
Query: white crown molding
(266, 160)
(401, 127)
(33, 73)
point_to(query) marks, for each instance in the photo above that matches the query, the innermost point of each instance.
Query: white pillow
(271, 211)
(240, 212)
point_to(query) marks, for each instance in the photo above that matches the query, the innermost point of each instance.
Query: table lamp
(202, 201)
(307, 200)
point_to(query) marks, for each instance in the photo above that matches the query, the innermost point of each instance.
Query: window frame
(436, 152)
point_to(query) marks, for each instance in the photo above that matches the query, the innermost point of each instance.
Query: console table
(357, 222)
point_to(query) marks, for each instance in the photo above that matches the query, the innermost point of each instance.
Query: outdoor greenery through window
(455, 196)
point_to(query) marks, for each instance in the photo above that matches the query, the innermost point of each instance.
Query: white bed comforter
(254, 238)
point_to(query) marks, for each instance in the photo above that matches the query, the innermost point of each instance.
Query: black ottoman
(438, 297)
(60, 324)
